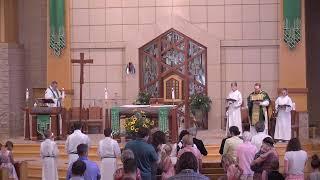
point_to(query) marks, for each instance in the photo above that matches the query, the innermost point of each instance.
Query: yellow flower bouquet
(136, 121)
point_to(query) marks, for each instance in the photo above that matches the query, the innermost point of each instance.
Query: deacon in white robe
(49, 152)
(108, 151)
(234, 101)
(73, 140)
(283, 122)
(53, 93)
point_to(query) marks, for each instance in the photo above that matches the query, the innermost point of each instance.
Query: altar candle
(105, 93)
(63, 93)
(27, 94)
(172, 93)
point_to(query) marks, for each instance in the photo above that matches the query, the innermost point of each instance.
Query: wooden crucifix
(82, 62)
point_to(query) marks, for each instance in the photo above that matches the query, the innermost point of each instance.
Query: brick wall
(4, 90)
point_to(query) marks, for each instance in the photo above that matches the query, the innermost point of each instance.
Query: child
(315, 165)
(78, 169)
(274, 173)
(7, 160)
(167, 166)
(231, 168)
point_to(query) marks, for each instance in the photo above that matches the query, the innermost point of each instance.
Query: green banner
(43, 123)
(115, 120)
(292, 22)
(163, 119)
(57, 26)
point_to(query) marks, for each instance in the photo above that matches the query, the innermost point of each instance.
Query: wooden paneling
(313, 59)
(11, 20)
(2, 25)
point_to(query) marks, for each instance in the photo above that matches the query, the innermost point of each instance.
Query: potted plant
(143, 98)
(200, 105)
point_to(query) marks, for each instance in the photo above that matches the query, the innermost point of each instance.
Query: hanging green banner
(163, 119)
(57, 26)
(43, 123)
(115, 120)
(292, 22)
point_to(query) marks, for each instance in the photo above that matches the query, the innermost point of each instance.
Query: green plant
(136, 121)
(200, 101)
(143, 98)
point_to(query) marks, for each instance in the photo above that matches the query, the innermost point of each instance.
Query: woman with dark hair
(295, 160)
(158, 138)
(232, 143)
(179, 144)
(264, 158)
(187, 167)
(315, 165)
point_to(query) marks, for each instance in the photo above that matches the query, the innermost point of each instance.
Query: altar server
(283, 123)
(49, 152)
(73, 140)
(234, 102)
(53, 93)
(108, 151)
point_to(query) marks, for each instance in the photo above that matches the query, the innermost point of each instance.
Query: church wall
(32, 36)
(248, 30)
(16, 90)
(4, 90)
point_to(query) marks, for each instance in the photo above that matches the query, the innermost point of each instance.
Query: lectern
(41, 119)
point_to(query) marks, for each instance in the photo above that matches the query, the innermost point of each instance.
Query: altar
(165, 115)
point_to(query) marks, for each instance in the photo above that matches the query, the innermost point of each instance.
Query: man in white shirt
(49, 152)
(234, 102)
(73, 140)
(53, 93)
(258, 138)
(108, 151)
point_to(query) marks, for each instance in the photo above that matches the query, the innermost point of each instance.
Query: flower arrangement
(136, 121)
(143, 98)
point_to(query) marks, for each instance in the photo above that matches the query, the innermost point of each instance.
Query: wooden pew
(4, 174)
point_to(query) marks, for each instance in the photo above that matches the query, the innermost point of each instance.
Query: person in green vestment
(258, 103)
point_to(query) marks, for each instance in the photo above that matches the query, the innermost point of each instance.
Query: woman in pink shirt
(245, 153)
(187, 142)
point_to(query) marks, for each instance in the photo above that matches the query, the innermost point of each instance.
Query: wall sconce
(130, 69)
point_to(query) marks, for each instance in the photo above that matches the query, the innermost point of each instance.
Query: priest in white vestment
(73, 140)
(53, 93)
(234, 102)
(108, 151)
(49, 152)
(283, 122)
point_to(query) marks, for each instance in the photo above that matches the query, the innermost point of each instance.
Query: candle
(105, 93)
(27, 94)
(172, 93)
(63, 93)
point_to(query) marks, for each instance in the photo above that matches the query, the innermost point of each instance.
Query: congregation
(150, 156)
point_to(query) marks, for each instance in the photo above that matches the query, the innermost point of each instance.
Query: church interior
(108, 56)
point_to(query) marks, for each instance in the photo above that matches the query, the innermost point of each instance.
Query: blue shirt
(92, 170)
(144, 154)
(188, 174)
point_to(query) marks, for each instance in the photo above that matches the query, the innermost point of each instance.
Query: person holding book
(234, 102)
(258, 104)
(283, 122)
